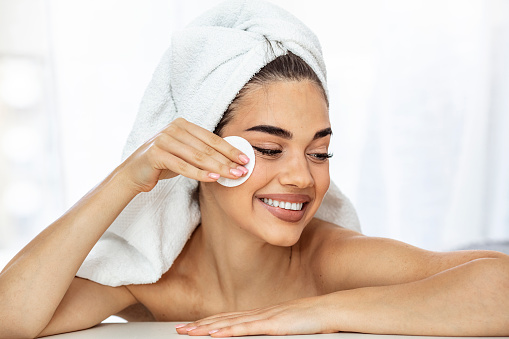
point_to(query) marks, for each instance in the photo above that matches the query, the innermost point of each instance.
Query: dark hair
(288, 67)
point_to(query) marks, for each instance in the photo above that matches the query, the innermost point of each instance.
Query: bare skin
(276, 276)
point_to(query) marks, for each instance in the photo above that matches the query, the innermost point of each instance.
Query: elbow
(17, 333)
(502, 287)
(493, 275)
(17, 327)
(494, 280)
(498, 271)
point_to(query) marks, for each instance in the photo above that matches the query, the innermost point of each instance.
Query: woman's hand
(300, 316)
(183, 148)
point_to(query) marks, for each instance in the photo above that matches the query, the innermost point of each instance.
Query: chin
(283, 239)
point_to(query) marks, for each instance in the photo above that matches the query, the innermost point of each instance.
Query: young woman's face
(287, 123)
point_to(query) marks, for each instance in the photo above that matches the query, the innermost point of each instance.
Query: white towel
(199, 75)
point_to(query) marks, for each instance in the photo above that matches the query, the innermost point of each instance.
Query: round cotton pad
(245, 147)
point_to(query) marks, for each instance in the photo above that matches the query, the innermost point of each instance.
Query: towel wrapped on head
(205, 67)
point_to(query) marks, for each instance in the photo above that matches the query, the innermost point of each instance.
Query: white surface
(155, 330)
(246, 148)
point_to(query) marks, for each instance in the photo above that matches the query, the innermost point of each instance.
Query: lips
(286, 207)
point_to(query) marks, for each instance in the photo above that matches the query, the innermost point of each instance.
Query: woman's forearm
(35, 280)
(469, 300)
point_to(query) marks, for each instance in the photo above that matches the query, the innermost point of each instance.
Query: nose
(296, 173)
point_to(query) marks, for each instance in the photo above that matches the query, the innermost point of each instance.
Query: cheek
(243, 194)
(264, 172)
(321, 178)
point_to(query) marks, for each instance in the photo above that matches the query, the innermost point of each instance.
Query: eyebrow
(323, 133)
(282, 133)
(277, 131)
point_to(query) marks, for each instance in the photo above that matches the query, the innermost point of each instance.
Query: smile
(283, 204)
(286, 207)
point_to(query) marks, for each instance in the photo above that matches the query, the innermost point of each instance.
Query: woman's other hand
(186, 149)
(301, 316)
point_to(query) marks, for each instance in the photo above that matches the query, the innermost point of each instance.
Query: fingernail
(235, 172)
(190, 329)
(213, 331)
(243, 169)
(244, 158)
(180, 325)
(214, 176)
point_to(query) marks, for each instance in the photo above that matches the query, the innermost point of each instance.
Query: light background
(419, 106)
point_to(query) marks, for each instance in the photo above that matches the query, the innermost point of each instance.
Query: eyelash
(275, 152)
(322, 156)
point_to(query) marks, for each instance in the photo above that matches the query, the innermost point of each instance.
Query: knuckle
(215, 140)
(203, 175)
(162, 139)
(224, 169)
(242, 328)
(153, 152)
(234, 153)
(182, 166)
(209, 151)
(172, 129)
(199, 156)
(231, 330)
(232, 164)
(180, 121)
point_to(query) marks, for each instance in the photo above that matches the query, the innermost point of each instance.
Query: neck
(241, 263)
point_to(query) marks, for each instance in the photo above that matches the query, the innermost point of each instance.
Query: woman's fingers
(234, 321)
(222, 325)
(211, 141)
(300, 316)
(257, 327)
(202, 327)
(198, 156)
(167, 161)
(247, 325)
(183, 148)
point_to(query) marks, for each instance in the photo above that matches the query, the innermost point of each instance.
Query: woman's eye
(276, 152)
(321, 156)
(267, 151)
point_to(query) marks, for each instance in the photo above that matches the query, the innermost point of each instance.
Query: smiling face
(287, 123)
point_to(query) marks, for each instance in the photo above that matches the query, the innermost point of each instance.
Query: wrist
(118, 181)
(339, 316)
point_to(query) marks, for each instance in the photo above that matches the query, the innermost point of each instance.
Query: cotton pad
(245, 147)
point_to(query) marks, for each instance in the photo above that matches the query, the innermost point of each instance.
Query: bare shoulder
(343, 259)
(321, 237)
(323, 244)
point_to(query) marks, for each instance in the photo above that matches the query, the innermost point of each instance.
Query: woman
(279, 270)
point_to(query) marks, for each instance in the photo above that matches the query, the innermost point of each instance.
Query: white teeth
(284, 204)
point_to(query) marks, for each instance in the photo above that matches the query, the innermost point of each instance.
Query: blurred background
(419, 106)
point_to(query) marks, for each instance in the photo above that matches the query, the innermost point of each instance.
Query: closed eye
(321, 156)
(276, 152)
(267, 151)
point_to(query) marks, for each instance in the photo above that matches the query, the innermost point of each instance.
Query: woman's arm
(471, 299)
(386, 287)
(34, 283)
(86, 304)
